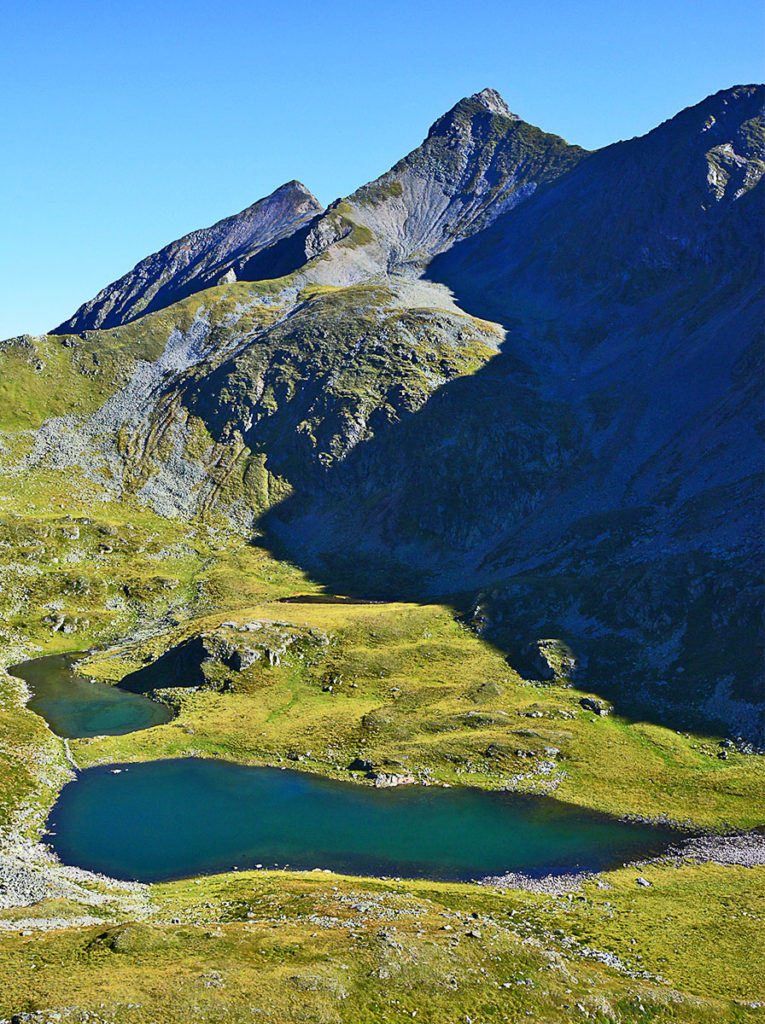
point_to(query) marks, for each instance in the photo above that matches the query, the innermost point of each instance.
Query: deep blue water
(175, 818)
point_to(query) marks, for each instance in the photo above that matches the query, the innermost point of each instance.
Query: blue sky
(128, 124)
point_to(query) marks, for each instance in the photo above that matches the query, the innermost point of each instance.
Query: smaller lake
(172, 819)
(76, 707)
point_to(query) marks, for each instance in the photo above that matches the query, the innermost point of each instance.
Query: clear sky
(126, 124)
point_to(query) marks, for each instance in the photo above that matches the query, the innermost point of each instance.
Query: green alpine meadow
(381, 594)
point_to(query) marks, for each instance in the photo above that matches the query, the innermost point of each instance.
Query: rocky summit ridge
(509, 371)
(202, 258)
(477, 161)
(491, 99)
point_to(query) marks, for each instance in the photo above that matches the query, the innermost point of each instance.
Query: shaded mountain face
(628, 217)
(601, 478)
(198, 260)
(508, 371)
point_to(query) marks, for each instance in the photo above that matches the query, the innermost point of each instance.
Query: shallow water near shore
(175, 818)
(75, 707)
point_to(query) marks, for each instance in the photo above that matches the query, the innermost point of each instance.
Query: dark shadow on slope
(179, 666)
(608, 498)
(278, 260)
(465, 501)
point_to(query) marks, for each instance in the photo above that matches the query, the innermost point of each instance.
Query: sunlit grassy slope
(317, 947)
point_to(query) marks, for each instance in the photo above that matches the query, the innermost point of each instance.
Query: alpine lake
(177, 818)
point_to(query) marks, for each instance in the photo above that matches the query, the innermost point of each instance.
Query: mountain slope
(197, 261)
(600, 479)
(477, 161)
(587, 466)
(628, 216)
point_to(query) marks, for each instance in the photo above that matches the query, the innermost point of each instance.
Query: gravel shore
(740, 849)
(552, 885)
(30, 874)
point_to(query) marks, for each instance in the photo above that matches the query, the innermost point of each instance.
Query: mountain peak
(493, 102)
(203, 258)
(294, 186)
(478, 161)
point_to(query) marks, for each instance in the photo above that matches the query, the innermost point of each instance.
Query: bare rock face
(649, 208)
(328, 230)
(388, 780)
(493, 102)
(199, 260)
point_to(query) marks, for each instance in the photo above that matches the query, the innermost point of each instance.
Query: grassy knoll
(412, 690)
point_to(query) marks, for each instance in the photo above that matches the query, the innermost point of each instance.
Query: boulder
(386, 780)
(537, 659)
(551, 659)
(595, 706)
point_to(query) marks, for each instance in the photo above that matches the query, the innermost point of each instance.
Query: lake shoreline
(31, 872)
(18, 856)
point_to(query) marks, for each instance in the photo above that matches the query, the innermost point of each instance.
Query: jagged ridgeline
(508, 371)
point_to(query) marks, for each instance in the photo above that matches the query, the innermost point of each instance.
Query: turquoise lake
(175, 818)
(76, 707)
(188, 816)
